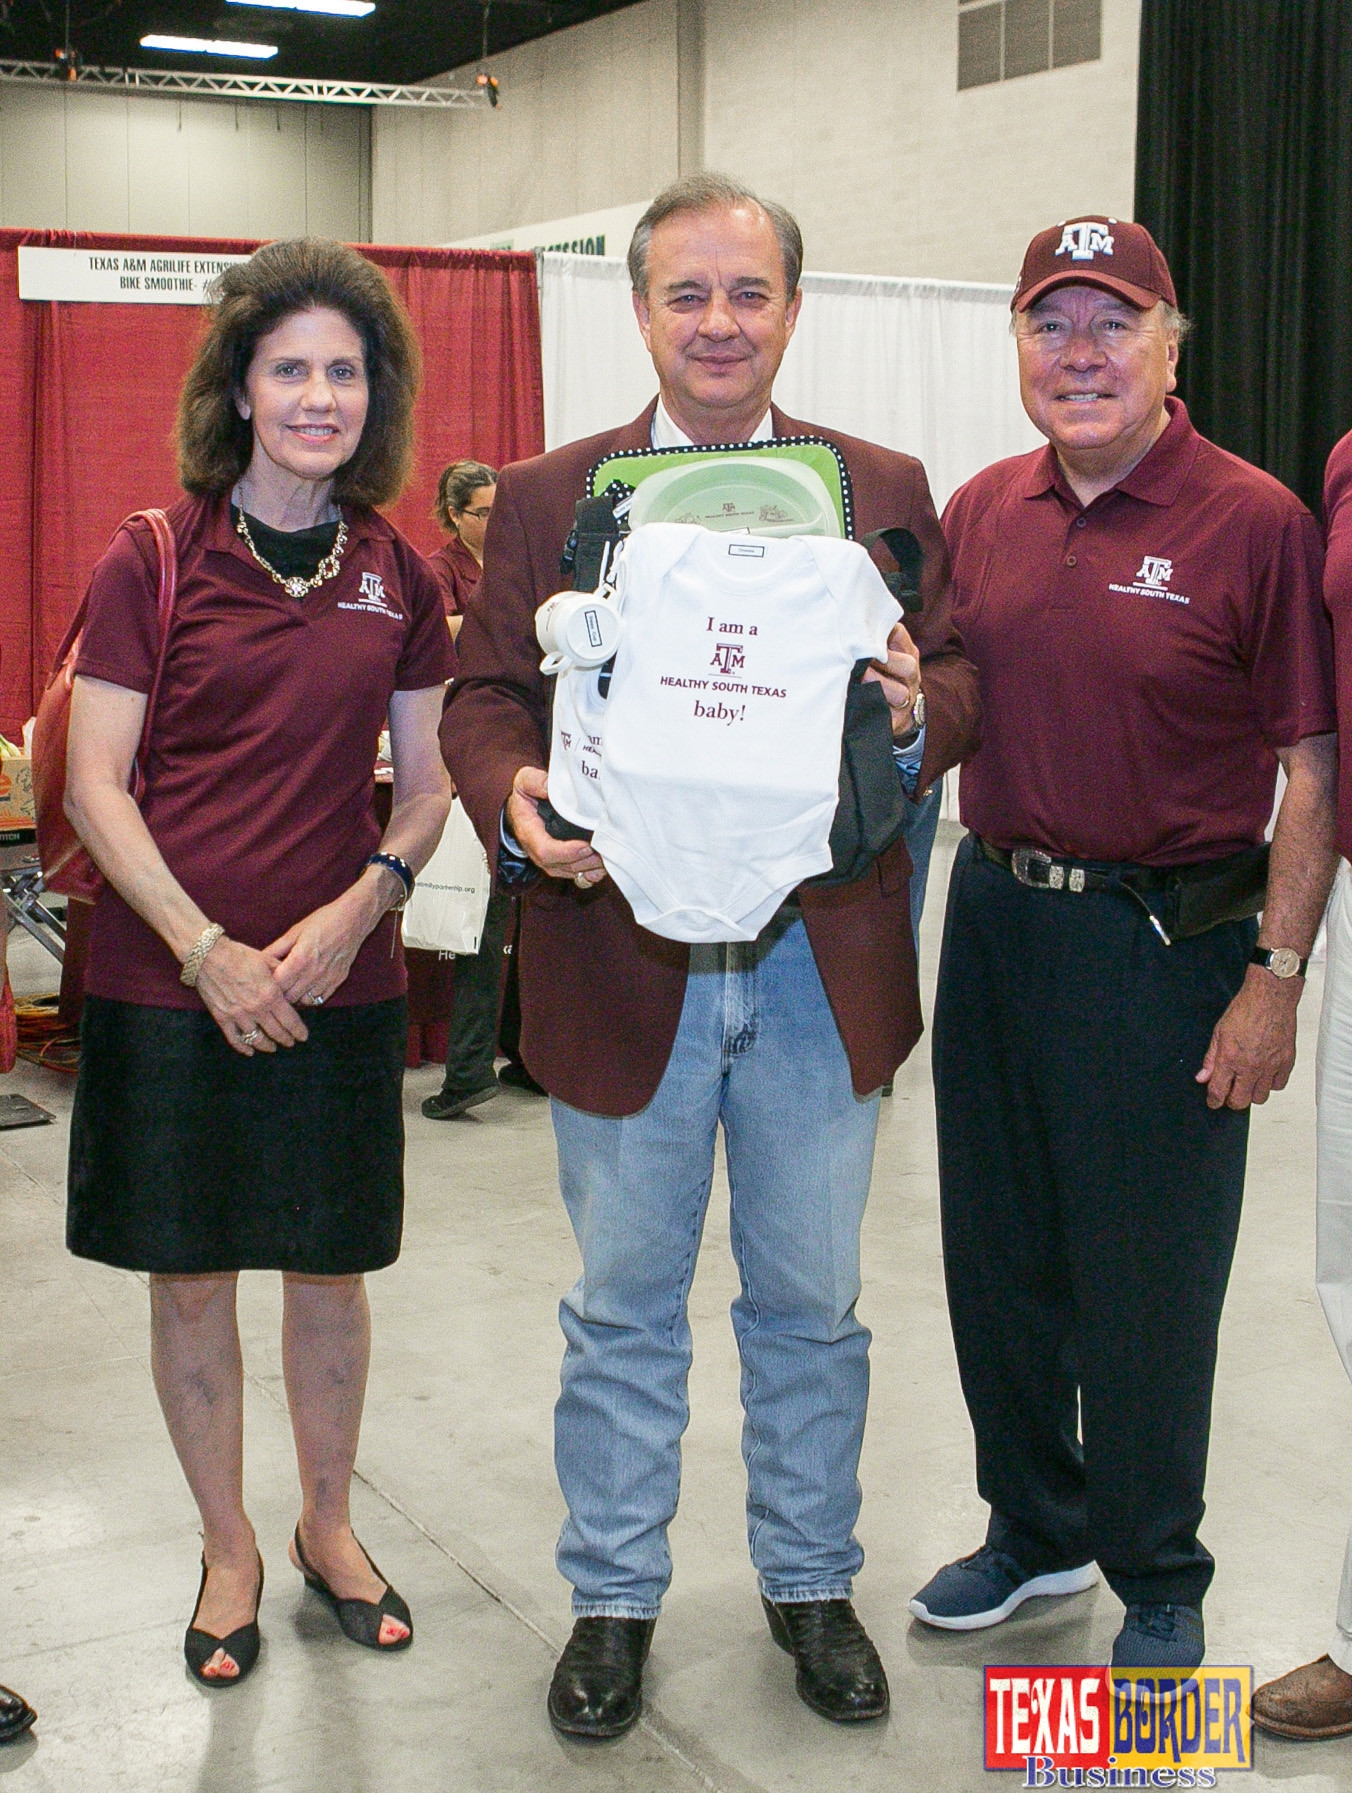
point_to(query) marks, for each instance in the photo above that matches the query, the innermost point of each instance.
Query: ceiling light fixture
(347, 9)
(202, 46)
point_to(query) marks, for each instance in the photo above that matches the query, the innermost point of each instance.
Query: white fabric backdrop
(925, 366)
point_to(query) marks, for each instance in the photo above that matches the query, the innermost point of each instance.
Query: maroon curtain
(87, 398)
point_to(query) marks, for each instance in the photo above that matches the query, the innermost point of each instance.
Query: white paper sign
(120, 276)
(586, 233)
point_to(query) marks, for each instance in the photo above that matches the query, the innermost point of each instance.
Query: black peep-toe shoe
(360, 1619)
(241, 1646)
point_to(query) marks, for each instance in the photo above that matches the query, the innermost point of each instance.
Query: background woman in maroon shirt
(464, 500)
(461, 1006)
(239, 1101)
(436, 997)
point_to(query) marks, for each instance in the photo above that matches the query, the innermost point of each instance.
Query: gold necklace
(297, 587)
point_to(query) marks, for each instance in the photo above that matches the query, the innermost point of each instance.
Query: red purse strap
(167, 544)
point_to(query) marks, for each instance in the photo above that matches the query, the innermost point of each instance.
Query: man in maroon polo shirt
(1145, 615)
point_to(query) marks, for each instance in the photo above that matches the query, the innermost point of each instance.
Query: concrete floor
(457, 1501)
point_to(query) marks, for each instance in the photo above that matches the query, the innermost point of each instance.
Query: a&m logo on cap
(1086, 239)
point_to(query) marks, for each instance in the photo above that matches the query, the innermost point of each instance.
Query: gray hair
(708, 192)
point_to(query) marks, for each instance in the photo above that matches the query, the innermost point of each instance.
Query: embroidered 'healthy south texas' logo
(1153, 579)
(372, 598)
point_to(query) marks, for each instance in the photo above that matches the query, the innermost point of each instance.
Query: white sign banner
(586, 233)
(120, 276)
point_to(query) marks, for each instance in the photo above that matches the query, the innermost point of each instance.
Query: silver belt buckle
(1036, 869)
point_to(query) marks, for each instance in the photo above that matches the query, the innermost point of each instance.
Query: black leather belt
(1187, 899)
(1042, 871)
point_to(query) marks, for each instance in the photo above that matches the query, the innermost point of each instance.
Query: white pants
(1333, 1262)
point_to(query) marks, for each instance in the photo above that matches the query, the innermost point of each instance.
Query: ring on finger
(247, 1039)
(314, 1000)
(581, 880)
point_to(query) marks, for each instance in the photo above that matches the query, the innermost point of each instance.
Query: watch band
(912, 734)
(1281, 961)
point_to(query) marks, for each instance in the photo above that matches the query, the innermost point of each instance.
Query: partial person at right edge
(1315, 1700)
(1146, 617)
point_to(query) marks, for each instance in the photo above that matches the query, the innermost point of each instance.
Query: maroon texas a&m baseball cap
(1121, 258)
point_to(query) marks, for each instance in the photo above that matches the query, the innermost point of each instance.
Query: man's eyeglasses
(480, 512)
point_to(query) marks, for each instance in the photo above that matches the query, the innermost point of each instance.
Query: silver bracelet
(192, 965)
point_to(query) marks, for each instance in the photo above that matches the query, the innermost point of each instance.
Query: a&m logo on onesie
(1106, 1727)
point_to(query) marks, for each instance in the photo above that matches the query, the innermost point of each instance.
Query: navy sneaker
(1160, 1635)
(984, 1588)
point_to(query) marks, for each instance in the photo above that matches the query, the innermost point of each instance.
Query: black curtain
(1244, 177)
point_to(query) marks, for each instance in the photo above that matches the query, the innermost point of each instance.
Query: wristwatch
(1281, 961)
(917, 723)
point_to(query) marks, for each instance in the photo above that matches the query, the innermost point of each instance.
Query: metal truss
(241, 87)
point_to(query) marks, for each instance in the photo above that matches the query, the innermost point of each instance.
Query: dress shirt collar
(667, 434)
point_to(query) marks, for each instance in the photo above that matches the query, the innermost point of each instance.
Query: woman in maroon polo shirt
(239, 1099)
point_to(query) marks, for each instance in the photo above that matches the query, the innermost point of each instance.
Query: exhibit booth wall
(88, 393)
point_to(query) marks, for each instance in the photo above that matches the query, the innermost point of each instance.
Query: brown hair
(457, 485)
(709, 193)
(215, 444)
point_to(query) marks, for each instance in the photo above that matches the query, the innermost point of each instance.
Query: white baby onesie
(579, 710)
(720, 769)
(575, 746)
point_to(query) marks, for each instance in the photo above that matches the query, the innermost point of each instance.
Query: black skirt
(186, 1157)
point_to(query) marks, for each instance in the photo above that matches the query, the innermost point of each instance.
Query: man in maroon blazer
(646, 1045)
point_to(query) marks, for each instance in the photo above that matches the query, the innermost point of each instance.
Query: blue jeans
(922, 824)
(757, 1049)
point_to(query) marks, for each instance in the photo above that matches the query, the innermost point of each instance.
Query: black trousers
(509, 1021)
(1090, 1206)
(473, 1026)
